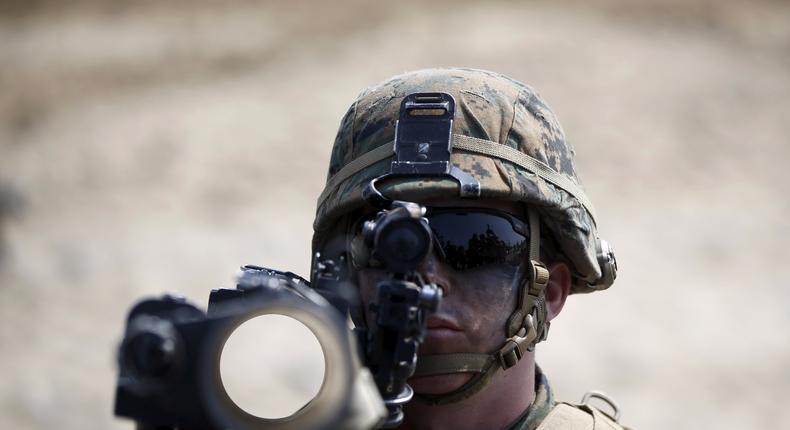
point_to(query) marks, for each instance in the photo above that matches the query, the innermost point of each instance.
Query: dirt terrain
(149, 147)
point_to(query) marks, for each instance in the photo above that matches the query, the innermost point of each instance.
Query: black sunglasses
(471, 238)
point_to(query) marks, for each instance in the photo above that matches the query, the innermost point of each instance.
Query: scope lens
(272, 365)
(404, 241)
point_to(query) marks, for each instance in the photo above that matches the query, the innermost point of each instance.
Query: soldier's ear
(558, 289)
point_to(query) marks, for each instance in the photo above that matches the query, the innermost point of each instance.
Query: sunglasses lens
(470, 240)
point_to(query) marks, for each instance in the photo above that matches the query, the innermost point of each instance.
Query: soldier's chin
(440, 384)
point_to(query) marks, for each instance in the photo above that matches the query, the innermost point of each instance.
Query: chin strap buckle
(523, 324)
(516, 345)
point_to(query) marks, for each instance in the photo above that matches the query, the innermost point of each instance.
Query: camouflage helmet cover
(491, 107)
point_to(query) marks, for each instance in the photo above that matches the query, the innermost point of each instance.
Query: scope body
(169, 375)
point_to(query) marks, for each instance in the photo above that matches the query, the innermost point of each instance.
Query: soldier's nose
(434, 271)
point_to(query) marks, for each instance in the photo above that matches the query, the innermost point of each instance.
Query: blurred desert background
(155, 146)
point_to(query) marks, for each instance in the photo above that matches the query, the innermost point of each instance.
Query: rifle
(169, 359)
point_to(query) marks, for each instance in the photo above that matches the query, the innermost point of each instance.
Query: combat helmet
(505, 138)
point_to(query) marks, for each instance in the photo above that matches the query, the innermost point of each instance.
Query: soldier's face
(474, 310)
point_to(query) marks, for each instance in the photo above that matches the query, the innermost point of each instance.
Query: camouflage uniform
(545, 413)
(506, 138)
(541, 406)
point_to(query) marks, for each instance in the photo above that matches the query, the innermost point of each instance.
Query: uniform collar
(540, 407)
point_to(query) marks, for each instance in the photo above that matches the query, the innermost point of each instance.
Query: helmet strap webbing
(526, 326)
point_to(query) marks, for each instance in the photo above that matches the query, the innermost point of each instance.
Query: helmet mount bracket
(423, 145)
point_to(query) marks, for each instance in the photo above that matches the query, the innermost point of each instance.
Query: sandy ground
(148, 148)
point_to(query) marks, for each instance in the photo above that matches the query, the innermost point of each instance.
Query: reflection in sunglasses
(467, 239)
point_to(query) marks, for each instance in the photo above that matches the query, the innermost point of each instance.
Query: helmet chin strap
(526, 326)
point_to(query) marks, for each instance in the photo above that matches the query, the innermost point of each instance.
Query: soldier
(506, 255)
